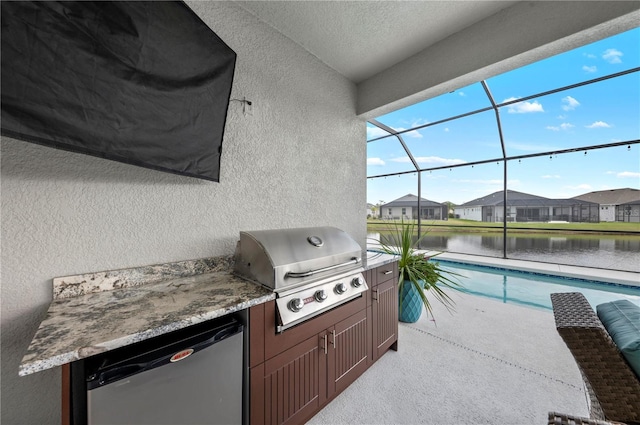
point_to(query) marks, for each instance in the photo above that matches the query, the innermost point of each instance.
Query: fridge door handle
(117, 373)
(169, 354)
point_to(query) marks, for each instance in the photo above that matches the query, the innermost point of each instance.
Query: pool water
(533, 289)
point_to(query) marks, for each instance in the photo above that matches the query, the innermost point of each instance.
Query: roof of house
(497, 198)
(410, 200)
(612, 196)
(515, 198)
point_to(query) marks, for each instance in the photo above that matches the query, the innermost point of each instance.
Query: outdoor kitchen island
(295, 373)
(98, 312)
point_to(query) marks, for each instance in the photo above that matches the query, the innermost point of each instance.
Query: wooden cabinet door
(293, 383)
(369, 278)
(384, 273)
(385, 317)
(349, 351)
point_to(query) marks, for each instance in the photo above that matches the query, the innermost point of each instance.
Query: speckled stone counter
(96, 312)
(375, 259)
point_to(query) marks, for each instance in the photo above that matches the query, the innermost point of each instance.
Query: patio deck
(487, 363)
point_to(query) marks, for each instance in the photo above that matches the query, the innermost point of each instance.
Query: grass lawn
(470, 226)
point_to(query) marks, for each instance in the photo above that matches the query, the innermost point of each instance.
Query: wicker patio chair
(613, 387)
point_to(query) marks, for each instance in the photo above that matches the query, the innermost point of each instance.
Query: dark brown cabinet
(300, 375)
(349, 351)
(384, 296)
(294, 383)
(293, 374)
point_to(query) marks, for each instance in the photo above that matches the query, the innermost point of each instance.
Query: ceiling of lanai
(401, 52)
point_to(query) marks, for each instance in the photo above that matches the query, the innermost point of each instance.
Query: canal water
(606, 252)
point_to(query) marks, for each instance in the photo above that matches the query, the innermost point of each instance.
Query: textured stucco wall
(299, 160)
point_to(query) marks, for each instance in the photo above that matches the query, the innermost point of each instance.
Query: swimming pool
(533, 289)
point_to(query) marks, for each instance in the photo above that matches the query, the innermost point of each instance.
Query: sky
(599, 113)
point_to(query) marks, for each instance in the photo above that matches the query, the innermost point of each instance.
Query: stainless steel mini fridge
(192, 376)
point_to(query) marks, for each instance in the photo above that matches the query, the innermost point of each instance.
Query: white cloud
(561, 117)
(628, 174)
(375, 161)
(462, 94)
(569, 103)
(612, 56)
(589, 69)
(413, 133)
(590, 55)
(563, 126)
(431, 160)
(549, 176)
(583, 186)
(446, 130)
(523, 107)
(418, 122)
(374, 132)
(439, 160)
(402, 159)
(492, 182)
(598, 124)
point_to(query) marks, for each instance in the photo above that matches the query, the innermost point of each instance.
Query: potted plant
(417, 275)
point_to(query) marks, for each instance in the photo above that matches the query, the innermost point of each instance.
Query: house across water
(616, 204)
(606, 205)
(407, 207)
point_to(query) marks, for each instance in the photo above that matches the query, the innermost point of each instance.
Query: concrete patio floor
(487, 363)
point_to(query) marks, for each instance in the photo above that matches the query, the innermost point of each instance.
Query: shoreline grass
(470, 226)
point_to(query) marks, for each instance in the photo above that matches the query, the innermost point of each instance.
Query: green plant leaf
(413, 267)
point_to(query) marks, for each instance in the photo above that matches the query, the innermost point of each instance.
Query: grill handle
(296, 275)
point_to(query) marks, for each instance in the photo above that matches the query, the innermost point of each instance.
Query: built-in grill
(311, 269)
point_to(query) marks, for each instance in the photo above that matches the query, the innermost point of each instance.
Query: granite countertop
(375, 259)
(97, 312)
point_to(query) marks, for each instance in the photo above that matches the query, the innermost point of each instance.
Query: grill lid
(285, 258)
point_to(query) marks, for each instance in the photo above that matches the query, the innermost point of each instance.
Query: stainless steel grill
(311, 269)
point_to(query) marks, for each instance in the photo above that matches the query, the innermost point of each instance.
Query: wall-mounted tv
(141, 82)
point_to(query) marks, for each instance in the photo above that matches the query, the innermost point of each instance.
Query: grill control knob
(340, 288)
(320, 295)
(296, 305)
(357, 282)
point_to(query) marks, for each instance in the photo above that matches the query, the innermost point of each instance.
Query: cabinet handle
(374, 294)
(387, 272)
(333, 338)
(324, 343)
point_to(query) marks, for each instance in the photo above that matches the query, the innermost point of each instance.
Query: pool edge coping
(577, 272)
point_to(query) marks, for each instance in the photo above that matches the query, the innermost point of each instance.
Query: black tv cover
(146, 83)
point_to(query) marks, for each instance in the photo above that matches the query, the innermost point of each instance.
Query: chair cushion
(621, 319)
